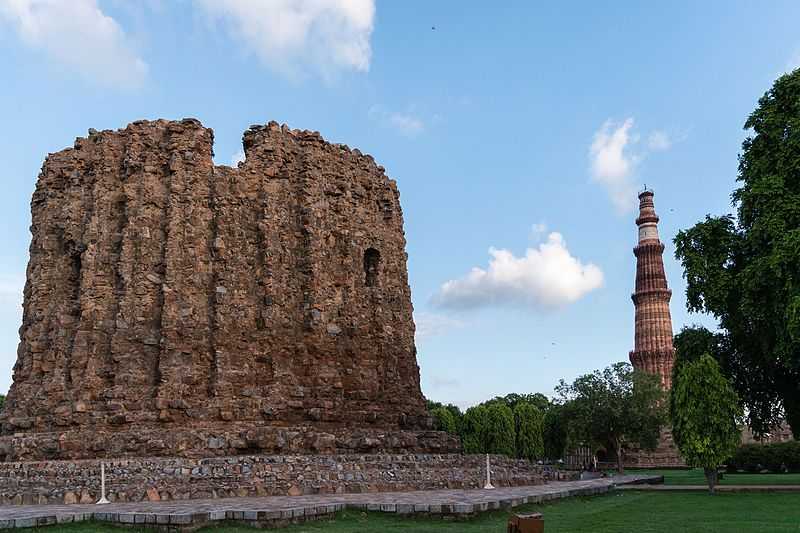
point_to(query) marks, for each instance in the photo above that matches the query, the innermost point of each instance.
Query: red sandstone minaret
(653, 351)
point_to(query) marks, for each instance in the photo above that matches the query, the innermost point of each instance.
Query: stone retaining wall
(154, 479)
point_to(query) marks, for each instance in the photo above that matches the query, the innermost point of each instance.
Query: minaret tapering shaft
(653, 351)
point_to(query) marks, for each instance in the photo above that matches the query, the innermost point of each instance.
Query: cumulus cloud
(546, 277)
(658, 141)
(612, 163)
(615, 155)
(293, 36)
(78, 35)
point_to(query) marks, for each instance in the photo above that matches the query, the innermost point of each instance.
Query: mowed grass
(695, 476)
(620, 512)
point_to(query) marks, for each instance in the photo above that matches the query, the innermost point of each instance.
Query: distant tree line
(605, 409)
(512, 425)
(526, 426)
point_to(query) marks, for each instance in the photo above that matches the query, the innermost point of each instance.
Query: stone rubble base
(165, 479)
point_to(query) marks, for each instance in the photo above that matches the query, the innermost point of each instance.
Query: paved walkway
(719, 488)
(281, 510)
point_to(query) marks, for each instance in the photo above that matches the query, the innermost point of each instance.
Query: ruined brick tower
(653, 351)
(175, 307)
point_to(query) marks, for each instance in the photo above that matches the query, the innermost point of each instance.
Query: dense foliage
(512, 400)
(614, 408)
(510, 425)
(500, 433)
(473, 436)
(777, 457)
(445, 421)
(2, 401)
(704, 413)
(745, 270)
(555, 432)
(529, 428)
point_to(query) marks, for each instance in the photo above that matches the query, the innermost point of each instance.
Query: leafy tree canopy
(745, 270)
(476, 422)
(704, 410)
(445, 421)
(536, 399)
(555, 431)
(500, 431)
(529, 421)
(614, 407)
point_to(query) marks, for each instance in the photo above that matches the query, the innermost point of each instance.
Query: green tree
(704, 411)
(2, 401)
(529, 421)
(614, 408)
(555, 432)
(691, 343)
(445, 421)
(458, 416)
(745, 270)
(511, 400)
(500, 433)
(473, 437)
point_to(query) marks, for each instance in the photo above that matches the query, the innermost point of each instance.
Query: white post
(488, 475)
(103, 498)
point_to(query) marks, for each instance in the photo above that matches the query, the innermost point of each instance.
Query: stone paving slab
(282, 510)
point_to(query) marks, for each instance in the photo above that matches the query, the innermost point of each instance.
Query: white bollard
(103, 498)
(488, 475)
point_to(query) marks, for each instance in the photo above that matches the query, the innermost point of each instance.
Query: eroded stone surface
(175, 307)
(168, 478)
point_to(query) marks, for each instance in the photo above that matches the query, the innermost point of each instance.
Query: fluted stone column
(653, 351)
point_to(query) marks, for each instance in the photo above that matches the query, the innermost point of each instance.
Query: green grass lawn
(621, 512)
(695, 477)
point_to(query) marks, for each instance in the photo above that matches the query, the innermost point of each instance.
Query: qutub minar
(653, 351)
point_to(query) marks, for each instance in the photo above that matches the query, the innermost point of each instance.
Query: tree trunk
(711, 477)
(620, 462)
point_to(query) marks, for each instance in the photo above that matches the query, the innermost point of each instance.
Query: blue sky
(502, 124)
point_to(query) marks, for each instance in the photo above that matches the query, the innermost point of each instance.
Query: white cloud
(77, 34)
(237, 158)
(538, 230)
(547, 277)
(612, 164)
(658, 141)
(407, 124)
(293, 36)
(433, 324)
